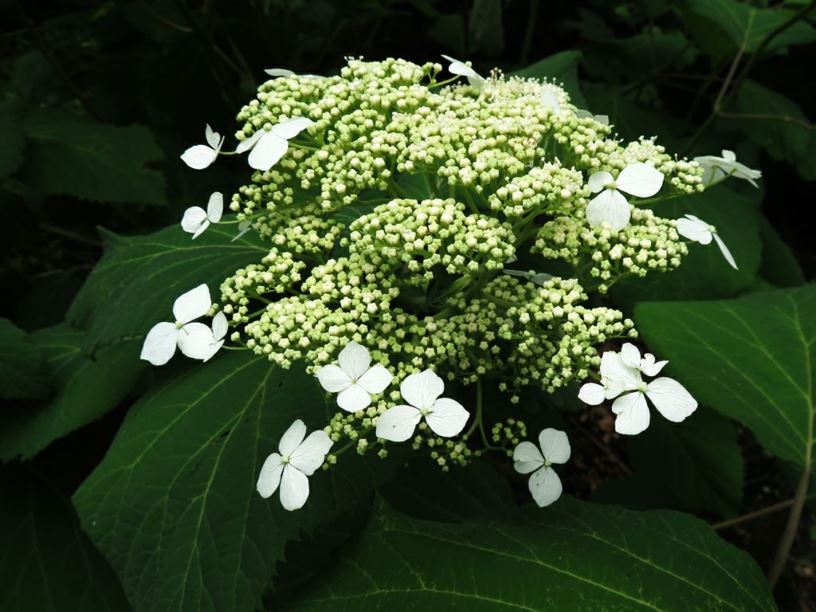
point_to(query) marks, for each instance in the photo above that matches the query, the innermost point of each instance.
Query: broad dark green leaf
(87, 386)
(752, 359)
(11, 153)
(136, 282)
(21, 364)
(561, 68)
(777, 124)
(173, 505)
(571, 556)
(745, 26)
(779, 264)
(47, 564)
(693, 466)
(73, 155)
(704, 273)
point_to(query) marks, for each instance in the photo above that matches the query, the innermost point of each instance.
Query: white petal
(630, 355)
(214, 348)
(267, 152)
(421, 390)
(354, 360)
(160, 343)
(694, 229)
(527, 458)
(279, 72)
(641, 180)
(292, 127)
(196, 341)
(633, 413)
(219, 326)
(311, 453)
(376, 379)
(246, 144)
(592, 394)
(194, 218)
(292, 438)
(457, 67)
(650, 367)
(193, 304)
(294, 490)
(332, 378)
(243, 228)
(599, 180)
(213, 138)
(616, 376)
(671, 399)
(555, 445)
(270, 475)
(215, 206)
(447, 417)
(550, 99)
(199, 157)
(354, 398)
(729, 156)
(545, 486)
(397, 424)
(725, 251)
(609, 207)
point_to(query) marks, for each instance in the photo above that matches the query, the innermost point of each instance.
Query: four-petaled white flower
(696, 229)
(549, 98)
(266, 147)
(610, 206)
(353, 378)
(199, 157)
(192, 338)
(196, 219)
(219, 333)
(445, 417)
(715, 169)
(475, 80)
(290, 467)
(621, 379)
(544, 484)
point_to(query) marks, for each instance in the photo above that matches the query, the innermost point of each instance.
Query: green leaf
(746, 26)
(777, 124)
(696, 466)
(704, 273)
(485, 28)
(21, 364)
(47, 563)
(571, 556)
(134, 285)
(779, 264)
(563, 69)
(751, 359)
(11, 153)
(87, 385)
(173, 505)
(73, 155)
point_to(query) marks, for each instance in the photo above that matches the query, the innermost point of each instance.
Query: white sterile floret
(610, 206)
(266, 147)
(716, 169)
(475, 80)
(196, 219)
(621, 379)
(290, 467)
(219, 333)
(199, 157)
(549, 98)
(193, 339)
(284, 72)
(553, 447)
(585, 114)
(354, 378)
(243, 228)
(445, 417)
(696, 229)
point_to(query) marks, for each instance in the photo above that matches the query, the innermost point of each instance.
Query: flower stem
(791, 528)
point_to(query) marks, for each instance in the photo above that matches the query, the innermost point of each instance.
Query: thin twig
(768, 117)
(792, 526)
(738, 520)
(70, 235)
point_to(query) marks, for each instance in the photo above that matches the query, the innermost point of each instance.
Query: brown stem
(738, 520)
(791, 528)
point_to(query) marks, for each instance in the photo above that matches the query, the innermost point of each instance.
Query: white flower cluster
(393, 205)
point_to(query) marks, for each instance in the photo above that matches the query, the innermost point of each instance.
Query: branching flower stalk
(429, 239)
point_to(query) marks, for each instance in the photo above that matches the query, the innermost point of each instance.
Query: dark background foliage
(99, 99)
